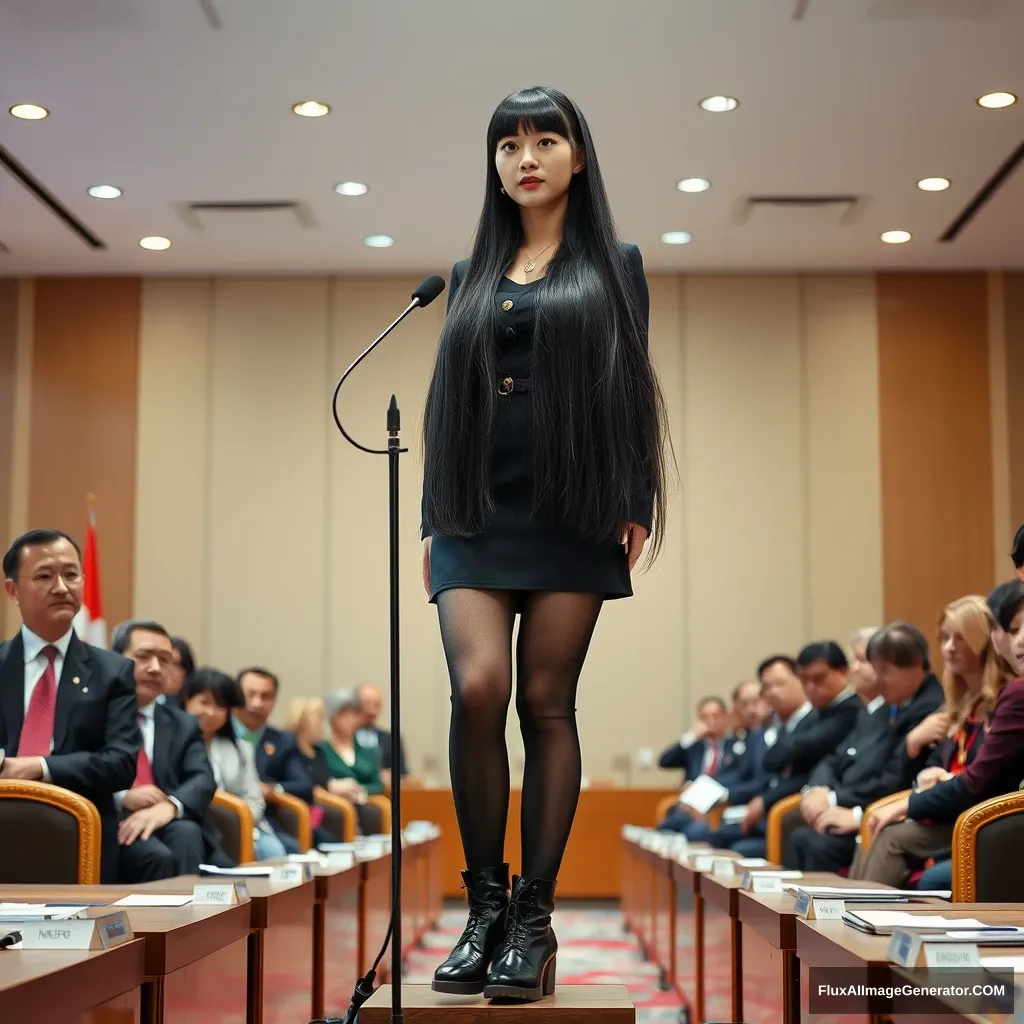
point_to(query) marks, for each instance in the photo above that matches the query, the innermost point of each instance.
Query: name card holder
(760, 882)
(290, 874)
(914, 949)
(369, 851)
(103, 932)
(341, 860)
(703, 862)
(723, 867)
(816, 909)
(219, 894)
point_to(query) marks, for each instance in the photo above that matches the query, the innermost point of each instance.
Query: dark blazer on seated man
(164, 830)
(869, 763)
(280, 763)
(67, 709)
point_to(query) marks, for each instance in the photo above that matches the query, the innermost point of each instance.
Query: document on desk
(247, 871)
(882, 922)
(143, 899)
(1004, 963)
(833, 892)
(703, 793)
(38, 912)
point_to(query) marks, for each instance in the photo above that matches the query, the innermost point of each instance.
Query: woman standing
(544, 471)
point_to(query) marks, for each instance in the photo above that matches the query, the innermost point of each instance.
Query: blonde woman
(973, 678)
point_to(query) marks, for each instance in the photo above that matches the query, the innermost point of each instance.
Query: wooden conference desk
(195, 958)
(592, 864)
(72, 986)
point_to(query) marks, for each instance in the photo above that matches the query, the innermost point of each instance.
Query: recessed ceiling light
(896, 237)
(351, 188)
(676, 237)
(29, 111)
(155, 242)
(933, 184)
(379, 241)
(311, 108)
(719, 104)
(693, 185)
(997, 100)
(104, 191)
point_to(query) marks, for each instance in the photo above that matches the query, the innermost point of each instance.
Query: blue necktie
(893, 711)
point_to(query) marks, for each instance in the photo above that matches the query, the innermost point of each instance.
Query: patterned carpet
(593, 949)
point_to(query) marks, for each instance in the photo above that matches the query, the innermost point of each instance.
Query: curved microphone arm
(334, 401)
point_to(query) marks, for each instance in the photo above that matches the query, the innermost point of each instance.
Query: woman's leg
(476, 632)
(554, 635)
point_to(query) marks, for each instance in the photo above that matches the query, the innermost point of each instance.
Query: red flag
(89, 622)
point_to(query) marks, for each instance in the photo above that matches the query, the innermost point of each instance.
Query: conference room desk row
(747, 957)
(285, 954)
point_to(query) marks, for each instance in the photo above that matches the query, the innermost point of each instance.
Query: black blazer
(872, 762)
(96, 737)
(280, 762)
(790, 760)
(181, 765)
(996, 768)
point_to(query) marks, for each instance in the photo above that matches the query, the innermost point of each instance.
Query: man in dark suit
(882, 755)
(163, 811)
(740, 765)
(814, 709)
(67, 709)
(371, 735)
(279, 762)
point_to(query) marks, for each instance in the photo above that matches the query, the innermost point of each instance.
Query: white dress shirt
(35, 664)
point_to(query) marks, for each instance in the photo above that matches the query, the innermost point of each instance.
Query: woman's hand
(928, 777)
(896, 811)
(633, 539)
(348, 788)
(425, 566)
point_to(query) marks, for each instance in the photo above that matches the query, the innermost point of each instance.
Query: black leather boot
(524, 964)
(465, 971)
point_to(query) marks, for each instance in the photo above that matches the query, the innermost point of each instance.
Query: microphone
(424, 295)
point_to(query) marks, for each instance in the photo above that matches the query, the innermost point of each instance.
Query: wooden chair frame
(246, 824)
(344, 807)
(773, 826)
(965, 840)
(301, 811)
(865, 838)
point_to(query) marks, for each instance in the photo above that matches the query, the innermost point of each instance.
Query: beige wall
(1013, 293)
(262, 535)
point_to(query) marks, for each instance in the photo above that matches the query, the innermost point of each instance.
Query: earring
(503, 192)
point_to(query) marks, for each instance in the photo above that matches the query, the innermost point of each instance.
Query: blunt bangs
(530, 110)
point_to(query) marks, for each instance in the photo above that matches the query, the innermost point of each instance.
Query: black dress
(518, 551)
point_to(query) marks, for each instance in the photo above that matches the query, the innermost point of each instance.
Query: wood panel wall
(84, 419)
(8, 371)
(1013, 292)
(936, 445)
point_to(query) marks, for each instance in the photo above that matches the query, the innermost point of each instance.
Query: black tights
(554, 634)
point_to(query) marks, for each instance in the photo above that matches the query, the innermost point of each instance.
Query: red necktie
(37, 729)
(144, 771)
(713, 763)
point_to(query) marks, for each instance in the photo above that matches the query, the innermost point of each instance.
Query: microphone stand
(364, 987)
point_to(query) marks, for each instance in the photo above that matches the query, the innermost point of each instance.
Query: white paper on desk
(142, 899)
(903, 919)
(734, 815)
(248, 871)
(757, 862)
(1004, 963)
(703, 793)
(881, 895)
(39, 912)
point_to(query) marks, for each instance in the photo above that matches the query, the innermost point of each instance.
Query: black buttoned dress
(520, 551)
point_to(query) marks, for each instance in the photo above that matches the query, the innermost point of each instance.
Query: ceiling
(190, 101)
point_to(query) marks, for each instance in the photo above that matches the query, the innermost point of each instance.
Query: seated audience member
(899, 715)
(210, 696)
(739, 768)
(162, 814)
(353, 771)
(982, 757)
(67, 709)
(307, 722)
(699, 751)
(813, 711)
(1018, 553)
(1001, 640)
(183, 665)
(280, 766)
(371, 735)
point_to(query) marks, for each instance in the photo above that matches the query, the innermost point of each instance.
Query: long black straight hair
(599, 424)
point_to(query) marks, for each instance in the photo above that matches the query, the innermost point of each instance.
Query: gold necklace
(531, 261)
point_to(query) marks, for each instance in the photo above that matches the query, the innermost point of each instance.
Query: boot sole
(526, 995)
(458, 988)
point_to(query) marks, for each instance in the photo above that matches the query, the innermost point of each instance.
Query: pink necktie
(144, 771)
(37, 729)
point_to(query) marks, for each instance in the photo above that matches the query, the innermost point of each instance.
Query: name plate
(814, 909)
(341, 860)
(703, 862)
(369, 851)
(914, 949)
(723, 867)
(219, 894)
(89, 933)
(760, 882)
(289, 874)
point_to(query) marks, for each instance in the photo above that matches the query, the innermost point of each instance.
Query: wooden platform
(571, 1004)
